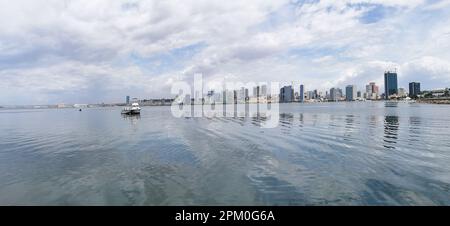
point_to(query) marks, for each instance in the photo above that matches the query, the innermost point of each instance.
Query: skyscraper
(374, 88)
(286, 94)
(310, 95)
(414, 89)
(335, 94)
(127, 100)
(371, 91)
(390, 84)
(302, 93)
(242, 95)
(350, 93)
(256, 91)
(263, 91)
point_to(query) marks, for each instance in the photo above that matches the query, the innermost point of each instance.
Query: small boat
(133, 110)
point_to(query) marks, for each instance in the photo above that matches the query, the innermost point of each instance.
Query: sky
(93, 51)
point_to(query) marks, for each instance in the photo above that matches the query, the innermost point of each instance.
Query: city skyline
(100, 51)
(246, 94)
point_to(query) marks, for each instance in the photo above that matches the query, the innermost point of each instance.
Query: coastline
(434, 101)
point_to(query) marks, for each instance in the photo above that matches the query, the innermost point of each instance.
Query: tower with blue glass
(390, 84)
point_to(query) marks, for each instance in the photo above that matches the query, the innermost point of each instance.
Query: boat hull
(131, 112)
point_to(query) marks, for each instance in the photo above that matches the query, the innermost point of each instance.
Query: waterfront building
(242, 95)
(310, 95)
(127, 100)
(335, 94)
(375, 88)
(390, 84)
(228, 97)
(414, 89)
(263, 90)
(350, 93)
(371, 91)
(302, 93)
(286, 94)
(256, 91)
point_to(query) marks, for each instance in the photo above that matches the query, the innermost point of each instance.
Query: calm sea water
(320, 154)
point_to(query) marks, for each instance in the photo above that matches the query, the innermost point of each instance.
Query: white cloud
(59, 50)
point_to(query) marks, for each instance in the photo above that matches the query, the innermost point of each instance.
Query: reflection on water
(389, 104)
(132, 118)
(414, 128)
(391, 126)
(372, 153)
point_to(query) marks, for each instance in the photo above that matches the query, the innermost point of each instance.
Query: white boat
(133, 110)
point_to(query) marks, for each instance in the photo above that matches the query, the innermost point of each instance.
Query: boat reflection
(132, 118)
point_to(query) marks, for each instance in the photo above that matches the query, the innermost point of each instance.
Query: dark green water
(320, 154)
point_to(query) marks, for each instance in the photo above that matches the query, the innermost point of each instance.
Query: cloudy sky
(89, 51)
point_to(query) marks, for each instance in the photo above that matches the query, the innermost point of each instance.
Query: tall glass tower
(414, 89)
(390, 84)
(350, 92)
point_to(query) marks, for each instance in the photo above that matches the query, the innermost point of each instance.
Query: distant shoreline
(434, 101)
(440, 101)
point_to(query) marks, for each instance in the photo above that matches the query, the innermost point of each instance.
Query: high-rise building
(286, 94)
(390, 84)
(375, 89)
(414, 89)
(335, 94)
(127, 100)
(256, 91)
(371, 91)
(310, 95)
(263, 91)
(242, 97)
(302, 93)
(350, 93)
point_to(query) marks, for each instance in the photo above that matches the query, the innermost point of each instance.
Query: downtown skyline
(101, 51)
